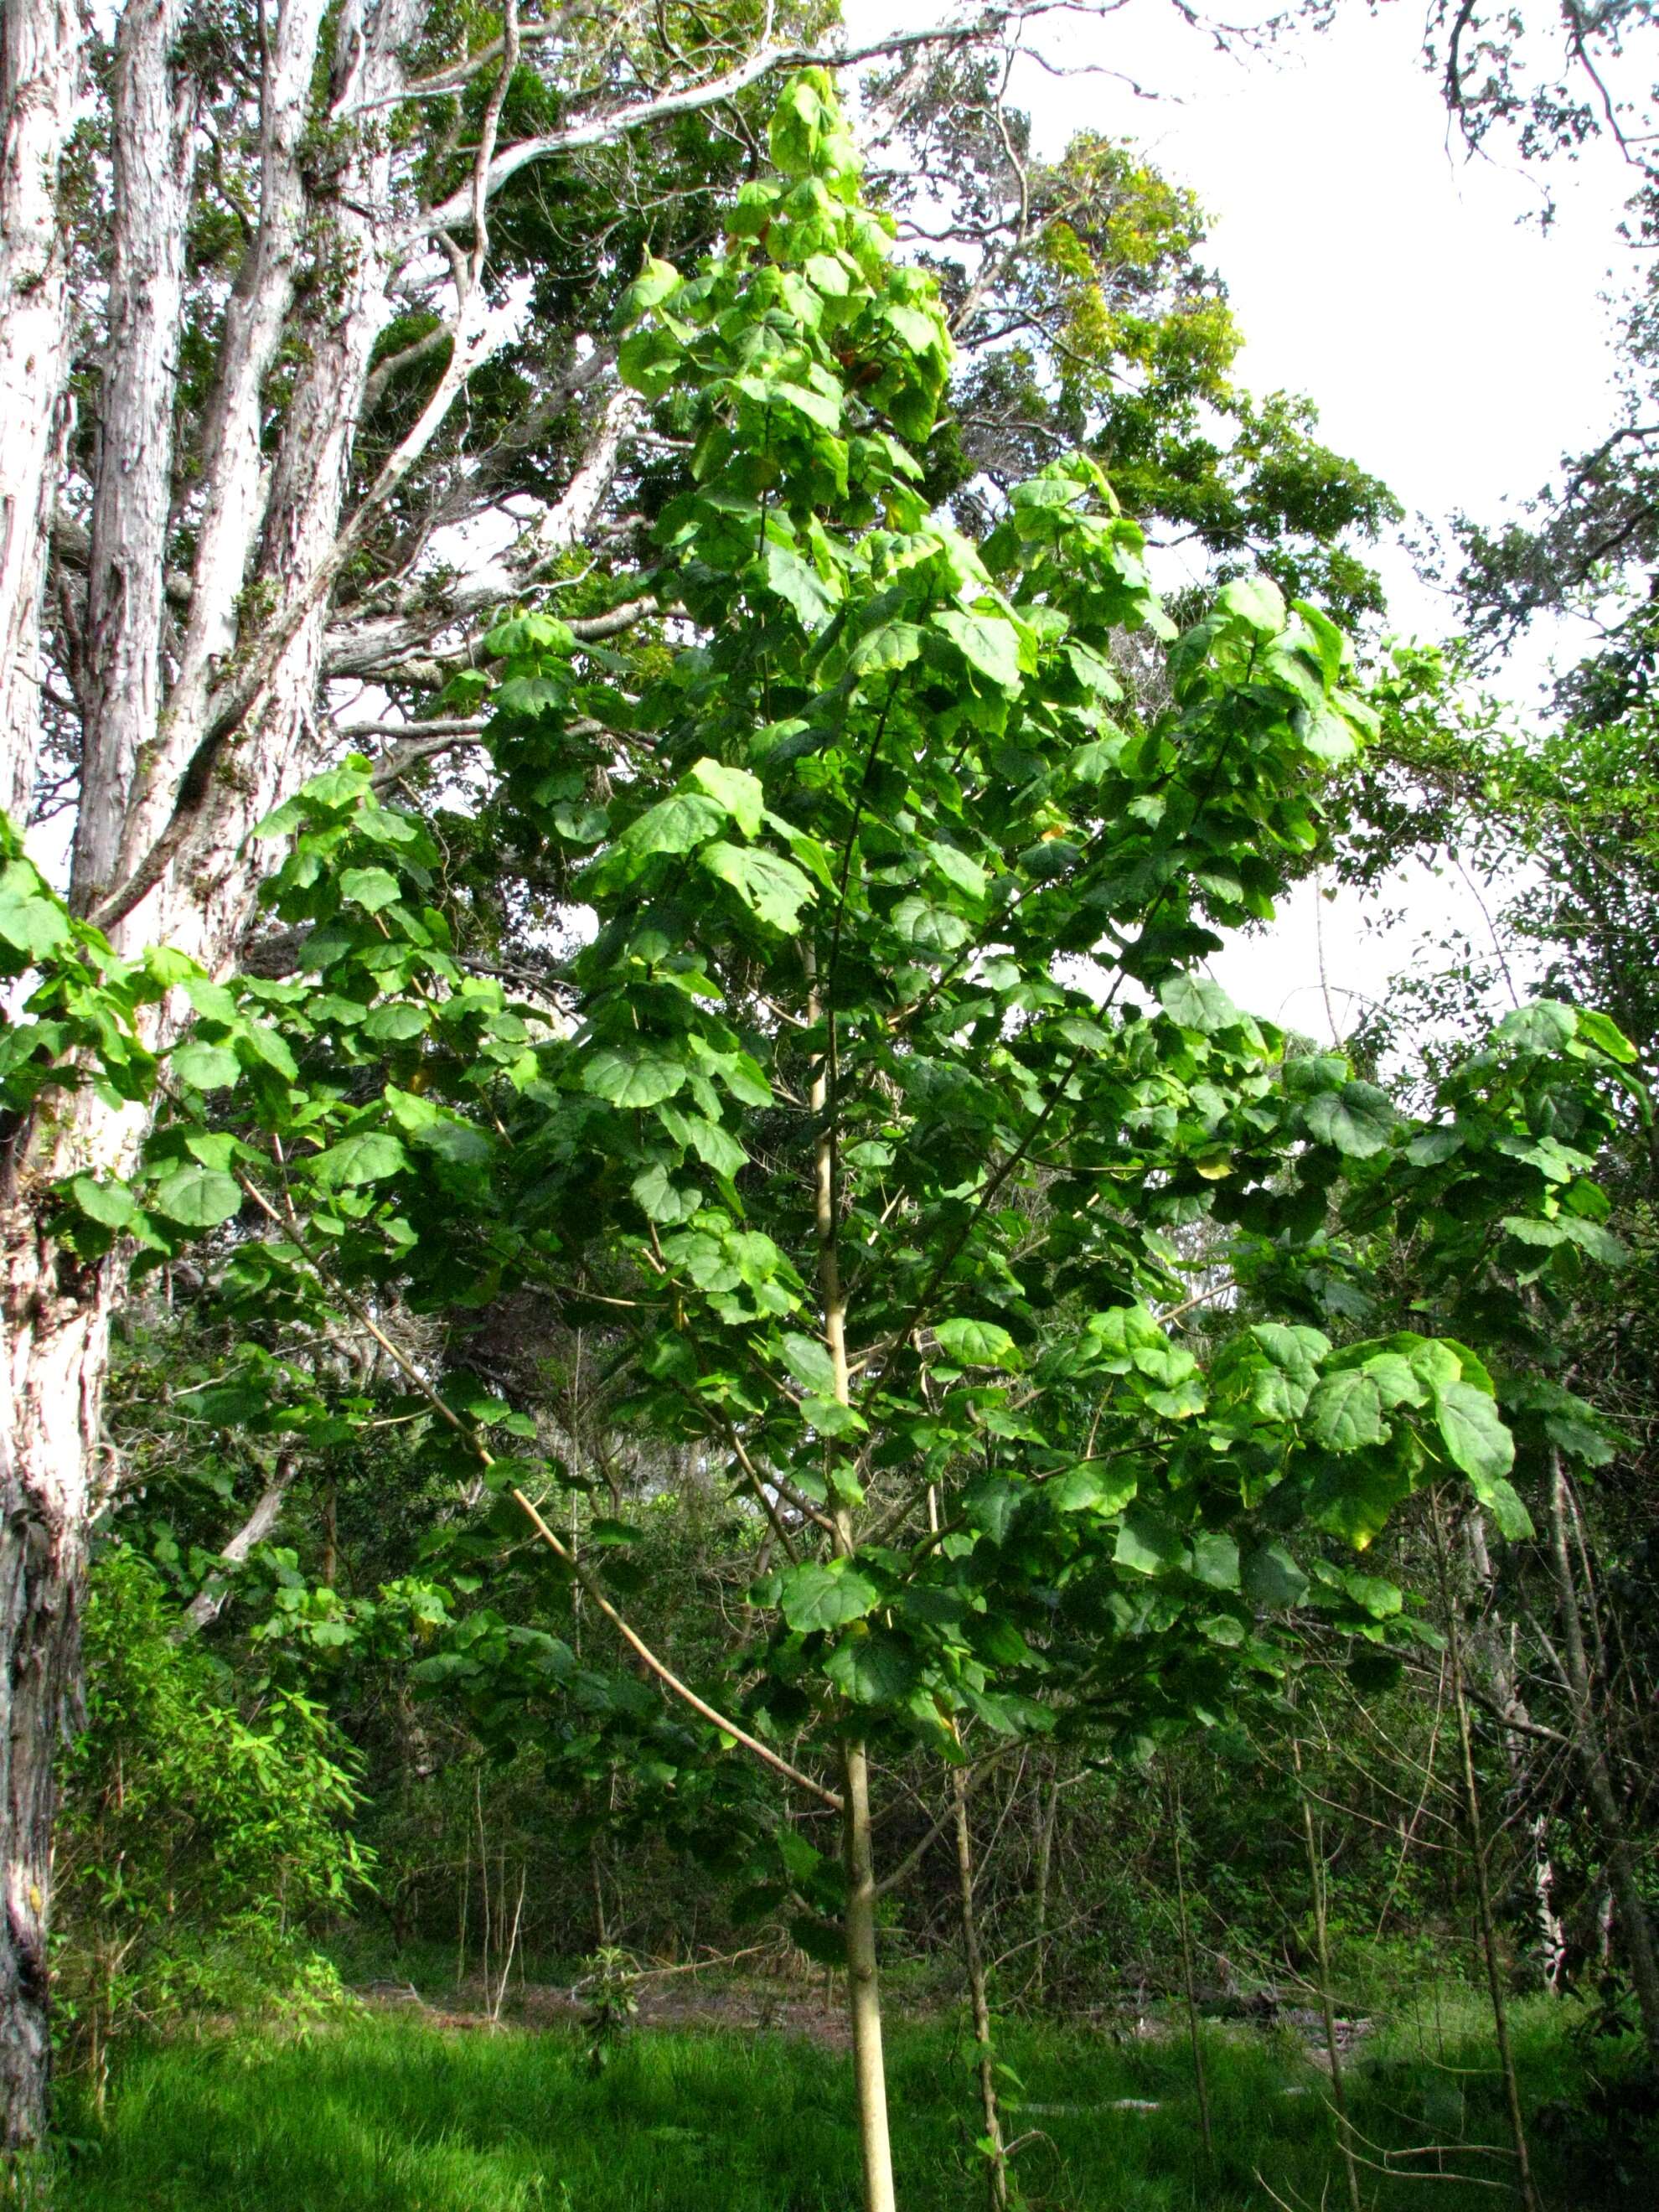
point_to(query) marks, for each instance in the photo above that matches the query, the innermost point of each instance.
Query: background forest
(715, 1491)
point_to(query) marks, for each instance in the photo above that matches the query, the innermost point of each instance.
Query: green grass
(387, 2114)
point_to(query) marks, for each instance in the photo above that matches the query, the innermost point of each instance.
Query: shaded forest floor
(390, 2111)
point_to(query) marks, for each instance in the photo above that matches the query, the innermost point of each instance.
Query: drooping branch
(591, 1587)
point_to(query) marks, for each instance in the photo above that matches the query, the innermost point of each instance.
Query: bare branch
(767, 61)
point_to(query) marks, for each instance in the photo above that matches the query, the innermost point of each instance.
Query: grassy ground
(391, 2114)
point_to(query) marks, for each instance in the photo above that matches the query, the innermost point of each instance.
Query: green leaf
(657, 282)
(31, 918)
(369, 1158)
(893, 645)
(1194, 1002)
(1433, 1147)
(1395, 1378)
(977, 1343)
(818, 407)
(774, 889)
(988, 643)
(199, 1197)
(369, 888)
(957, 868)
(396, 1025)
(110, 1204)
(1298, 1349)
(825, 1594)
(632, 1078)
(676, 825)
(1475, 1434)
(662, 1199)
(735, 789)
(1607, 1038)
(1600, 1243)
(874, 1670)
(204, 1067)
(715, 1146)
(809, 1363)
(211, 1001)
(1256, 600)
(1215, 1560)
(1147, 1543)
(799, 586)
(1545, 1026)
(1358, 1119)
(1502, 1501)
(991, 1502)
(1092, 1487)
(1344, 1413)
(1270, 1577)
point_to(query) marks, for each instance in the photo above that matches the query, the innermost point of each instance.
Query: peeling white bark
(205, 891)
(208, 1602)
(153, 134)
(42, 83)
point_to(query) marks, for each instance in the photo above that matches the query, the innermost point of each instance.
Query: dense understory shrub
(202, 1841)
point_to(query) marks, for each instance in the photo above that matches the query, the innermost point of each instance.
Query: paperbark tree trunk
(56, 1325)
(42, 76)
(1498, 1656)
(135, 787)
(153, 104)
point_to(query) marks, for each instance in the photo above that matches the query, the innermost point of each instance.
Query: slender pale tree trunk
(1634, 1926)
(209, 1600)
(152, 148)
(863, 1966)
(43, 49)
(1048, 1819)
(1482, 1882)
(1199, 2077)
(864, 1984)
(974, 1962)
(1327, 2008)
(1498, 1657)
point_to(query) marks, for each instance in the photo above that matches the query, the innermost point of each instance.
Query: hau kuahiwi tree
(876, 1183)
(252, 372)
(265, 403)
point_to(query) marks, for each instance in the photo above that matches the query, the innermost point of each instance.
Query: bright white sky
(1450, 348)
